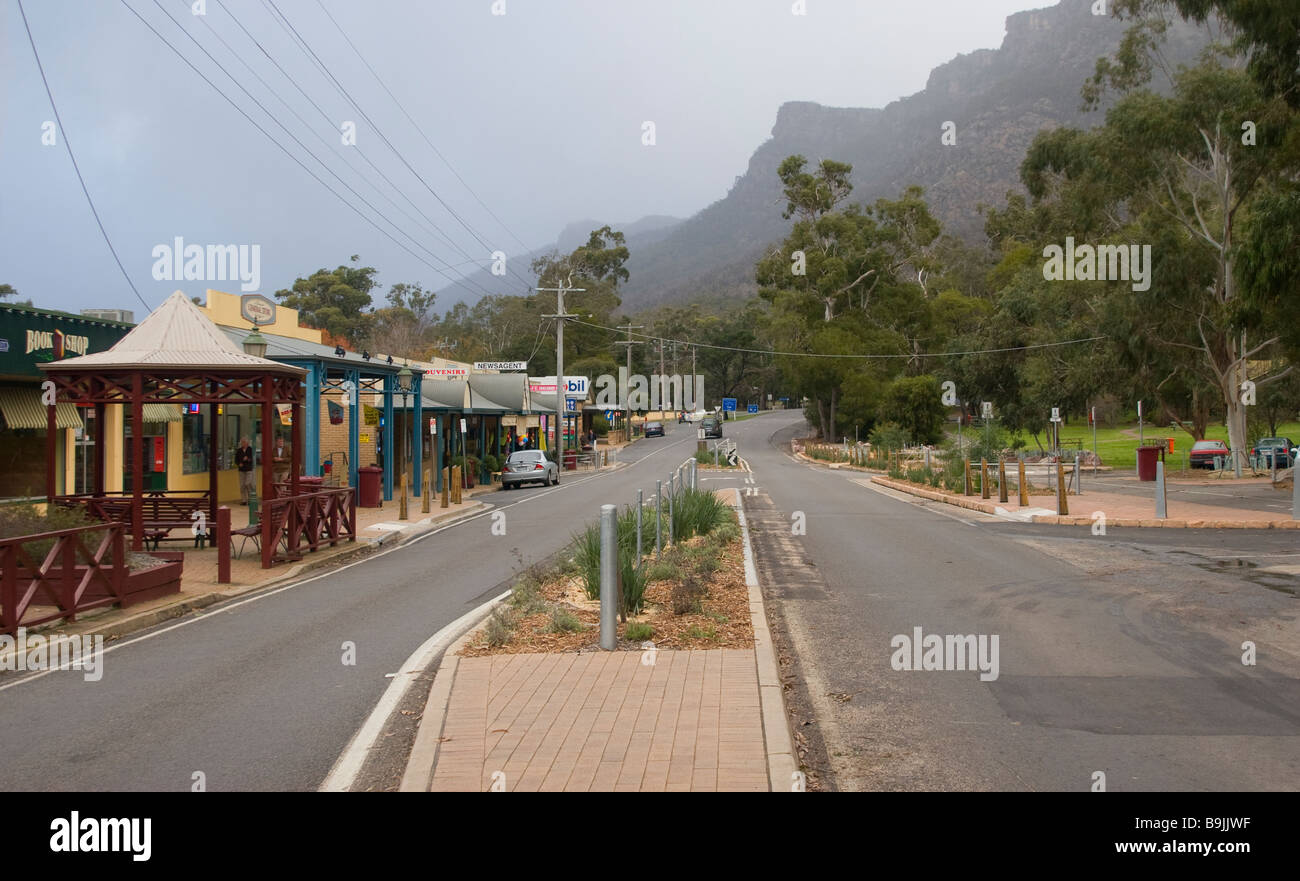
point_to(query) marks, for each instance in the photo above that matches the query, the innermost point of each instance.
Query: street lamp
(255, 344)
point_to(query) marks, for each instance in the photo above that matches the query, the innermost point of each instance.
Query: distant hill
(999, 100)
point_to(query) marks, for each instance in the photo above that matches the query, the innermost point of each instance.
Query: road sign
(462, 426)
(433, 425)
(732, 458)
(571, 405)
(729, 405)
(986, 409)
(753, 408)
(1056, 414)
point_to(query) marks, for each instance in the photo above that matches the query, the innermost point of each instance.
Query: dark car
(711, 426)
(1268, 447)
(654, 429)
(1204, 453)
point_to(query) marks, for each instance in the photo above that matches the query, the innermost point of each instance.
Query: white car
(529, 466)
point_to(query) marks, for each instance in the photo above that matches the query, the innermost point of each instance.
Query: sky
(500, 128)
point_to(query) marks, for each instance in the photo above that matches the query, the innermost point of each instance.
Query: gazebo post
(213, 481)
(137, 462)
(268, 473)
(100, 454)
(355, 416)
(51, 440)
(295, 434)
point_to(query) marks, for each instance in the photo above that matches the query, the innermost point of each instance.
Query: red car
(1205, 452)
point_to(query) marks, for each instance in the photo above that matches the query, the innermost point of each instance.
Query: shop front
(30, 337)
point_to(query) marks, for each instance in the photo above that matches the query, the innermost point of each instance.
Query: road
(1119, 654)
(253, 694)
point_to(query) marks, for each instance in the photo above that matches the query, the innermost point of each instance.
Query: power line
(325, 68)
(417, 127)
(68, 143)
(662, 340)
(272, 139)
(334, 150)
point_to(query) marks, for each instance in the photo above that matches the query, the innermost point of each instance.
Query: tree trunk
(835, 397)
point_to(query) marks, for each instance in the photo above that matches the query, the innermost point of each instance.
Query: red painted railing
(73, 576)
(309, 520)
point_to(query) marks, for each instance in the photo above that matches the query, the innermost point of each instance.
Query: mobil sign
(574, 386)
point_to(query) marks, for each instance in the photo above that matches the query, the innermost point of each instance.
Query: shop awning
(22, 408)
(163, 413)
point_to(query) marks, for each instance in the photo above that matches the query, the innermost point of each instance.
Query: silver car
(529, 466)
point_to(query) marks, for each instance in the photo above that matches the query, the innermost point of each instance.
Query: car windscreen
(528, 456)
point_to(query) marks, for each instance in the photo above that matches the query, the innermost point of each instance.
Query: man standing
(281, 460)
(244, 462)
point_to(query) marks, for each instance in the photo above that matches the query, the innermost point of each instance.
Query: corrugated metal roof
(291, 348)
(176, 334)
(444, 394)
(22, 408)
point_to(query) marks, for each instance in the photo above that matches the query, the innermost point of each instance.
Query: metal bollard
(1078, 474)
(659, 517)
(670, 520)
(1161, 505)
(608, 577)
(639, 507)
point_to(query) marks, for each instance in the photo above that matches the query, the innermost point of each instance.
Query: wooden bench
(160, 514)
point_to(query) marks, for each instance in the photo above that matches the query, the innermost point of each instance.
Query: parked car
(1204, 453)
(1268, 447)
(529, 466)
(712, 426)
(654, 429)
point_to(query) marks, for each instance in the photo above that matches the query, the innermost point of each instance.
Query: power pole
(629, 342)
(661, 377)
(559, 316)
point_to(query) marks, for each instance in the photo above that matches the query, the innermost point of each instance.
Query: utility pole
(661, 377)
(559, 316)
(629, 342)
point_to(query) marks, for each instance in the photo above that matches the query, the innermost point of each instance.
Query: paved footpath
(659, 721)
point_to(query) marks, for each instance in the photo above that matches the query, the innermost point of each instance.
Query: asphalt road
(1119, 654)
(254, 693)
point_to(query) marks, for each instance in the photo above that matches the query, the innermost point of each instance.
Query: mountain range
(996, 100)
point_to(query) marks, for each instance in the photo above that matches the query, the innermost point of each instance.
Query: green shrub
(564, 621)
(24, 518)
(491, 462)
(586, 557)
(688, 595)
(637, 631)
(888, 437)
(500, 627)
(634, 582)
(697, 512)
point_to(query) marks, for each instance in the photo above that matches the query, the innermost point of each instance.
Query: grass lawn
(1118, 446)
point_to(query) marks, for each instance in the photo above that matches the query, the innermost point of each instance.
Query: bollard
(984, 478)
(670, 520)
(968, 490)
(426, 490)
(927, 457)
(223, 545)
(1062, 506)
(659, 517)
(401, 503)
(1161, 506)
(1002, 480)
(446, 487)
(639, 507)
(608, 577)
(1078, 474)
(1295, 492)
(1023, 486)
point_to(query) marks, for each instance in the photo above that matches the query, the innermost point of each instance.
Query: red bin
(369, 495)
(1147, 458)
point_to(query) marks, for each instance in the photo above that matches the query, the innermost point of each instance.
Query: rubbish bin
(570, 460)
(369, 495)
(1147, 458)
(1171, 444)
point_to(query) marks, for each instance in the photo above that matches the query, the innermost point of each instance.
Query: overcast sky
(540, 111)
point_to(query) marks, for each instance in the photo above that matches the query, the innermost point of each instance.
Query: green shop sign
(30, 336)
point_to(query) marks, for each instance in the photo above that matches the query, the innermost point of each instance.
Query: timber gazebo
(178, 356)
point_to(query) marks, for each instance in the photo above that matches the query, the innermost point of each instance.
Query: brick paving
(604, 721)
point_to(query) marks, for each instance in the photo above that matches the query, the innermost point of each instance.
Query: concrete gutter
(782, 764)
(1070, 520)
